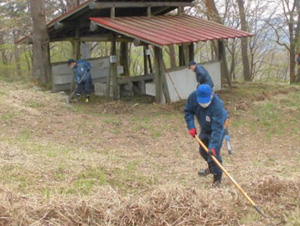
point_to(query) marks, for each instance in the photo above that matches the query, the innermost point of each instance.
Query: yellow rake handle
(230, 177)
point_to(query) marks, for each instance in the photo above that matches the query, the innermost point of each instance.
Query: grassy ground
(132, 162)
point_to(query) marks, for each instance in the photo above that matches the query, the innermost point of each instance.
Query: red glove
(193, 132)
(212, 151)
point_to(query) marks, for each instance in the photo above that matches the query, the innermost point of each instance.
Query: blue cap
(203, 94)
(70, 61)
(192, 63)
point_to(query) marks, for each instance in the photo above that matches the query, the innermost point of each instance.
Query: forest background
(269, 55)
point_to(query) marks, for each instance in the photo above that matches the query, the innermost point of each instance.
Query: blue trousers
(212, 165)
(85, 86)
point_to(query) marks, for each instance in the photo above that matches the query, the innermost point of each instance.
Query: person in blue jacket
(211, 115)
(81, 70)
(202, 75)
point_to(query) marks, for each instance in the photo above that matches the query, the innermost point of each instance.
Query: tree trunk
(244, 42)
(3, 55)
(17, 54)
(40, 37)
(214, 16)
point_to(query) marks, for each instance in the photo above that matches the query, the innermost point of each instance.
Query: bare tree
(244, 41)
(286, 26)
(213, 14)
(40, 37)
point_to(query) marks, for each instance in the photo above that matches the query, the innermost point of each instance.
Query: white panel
(183, 81)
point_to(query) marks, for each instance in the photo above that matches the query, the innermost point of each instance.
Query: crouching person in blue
(211, 115)
(83, 78)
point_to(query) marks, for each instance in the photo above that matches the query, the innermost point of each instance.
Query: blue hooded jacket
(211, 119)
(203, 76)
(82, 71)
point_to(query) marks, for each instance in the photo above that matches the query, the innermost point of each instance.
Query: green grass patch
(129, 179)
(7, 117)
(86, 180)
(24, 135)
(17, 176)
(35, 104)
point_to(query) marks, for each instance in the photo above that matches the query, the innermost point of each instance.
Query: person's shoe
(76, 99)
(204, 172)
(217, 180)
(87, 99)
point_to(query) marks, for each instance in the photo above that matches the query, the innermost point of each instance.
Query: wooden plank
(103, 5)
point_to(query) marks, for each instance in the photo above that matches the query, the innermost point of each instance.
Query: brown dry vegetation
(133, 163)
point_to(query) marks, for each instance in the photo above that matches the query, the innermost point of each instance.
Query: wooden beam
(102, 38)
(62, 25)
(104, 5)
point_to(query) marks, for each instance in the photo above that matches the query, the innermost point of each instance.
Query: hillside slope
(133, 163)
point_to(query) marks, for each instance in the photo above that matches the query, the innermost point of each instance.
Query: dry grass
(133, 163)
(165, 205)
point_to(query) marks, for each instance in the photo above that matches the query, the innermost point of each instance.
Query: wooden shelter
(143, 23)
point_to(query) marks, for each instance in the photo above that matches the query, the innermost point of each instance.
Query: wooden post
(113, 70)
(75, 53)
(149, 58)
(180, 10)
(145, 60)
(157, 76)
(181, 55)
(160, 77)
(191, 52)
(149, 11)
(124, 58)
(186, 54)
(112, 13)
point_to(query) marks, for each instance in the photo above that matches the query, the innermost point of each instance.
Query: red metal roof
(168, 30)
